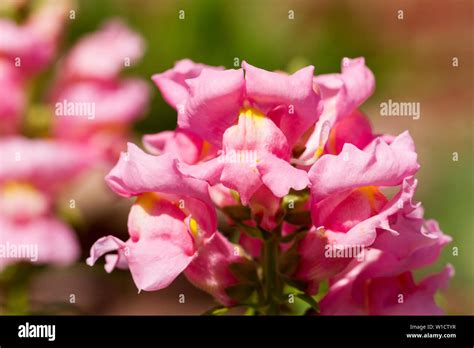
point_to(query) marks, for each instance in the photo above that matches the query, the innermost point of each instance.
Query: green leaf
(218, 310)
(240, 292)
(299, 218)
(245, 271)
(309, 300)
(295, 283)
(237, 212)
(323, 290)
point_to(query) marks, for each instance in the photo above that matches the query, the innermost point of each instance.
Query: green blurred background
(411, 59)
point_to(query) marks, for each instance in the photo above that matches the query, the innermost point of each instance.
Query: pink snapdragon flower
(189, 147)
(405, 242)
(238, 146)
(358, 218)
(341, 94)
(31, 174)
(172, 228)
(216, 98)
(347, 204)
(381, 286)
(170, 220)
(352, 179)
(252, 120)
(257, 147)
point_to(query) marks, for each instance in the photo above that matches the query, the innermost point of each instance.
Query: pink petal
(253, 246)
(365, 232)
(354, 129)
(280, 176)
(358, 80)
(103, 246)
(215, 98)
(210, 272)
(243, 178)
(341, 212)
(253, 133)
(379, 164)
(374, 287)
(270, 90)
(315, 265)
(160, 247)
(209, 171)
(172, 82)
(265, 205)
(137, 172)
(342, 94)
(187, 146)
(221, 196)
(418, 242)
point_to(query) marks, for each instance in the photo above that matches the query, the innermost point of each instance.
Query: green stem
(271, 276)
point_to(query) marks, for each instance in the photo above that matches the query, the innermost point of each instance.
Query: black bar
(223, 330)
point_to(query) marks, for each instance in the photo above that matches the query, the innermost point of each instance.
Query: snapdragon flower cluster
(274, 187)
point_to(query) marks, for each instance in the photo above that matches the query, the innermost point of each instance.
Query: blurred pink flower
(103, 54)
(89, 76)
(27, 47)
(54, 241)
(25, 50)
(12, 98)
(31, 174)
